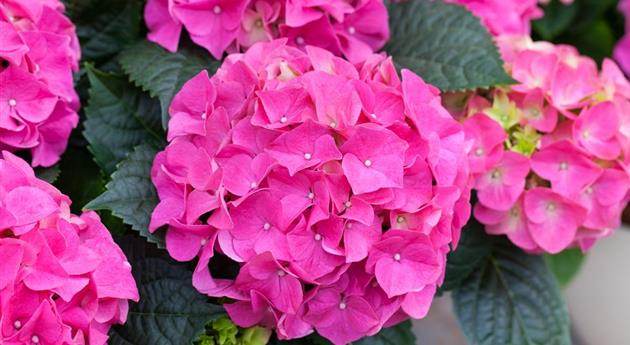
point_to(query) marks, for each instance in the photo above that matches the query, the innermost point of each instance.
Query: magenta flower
(568, 169)
(567, 121)
(397, 259)
(354, 29)
(38, 104)
(488, 137)
(297, 165)
(622, 50)
(503, 184)
(63, 279)
(504, 17)
(552, 219)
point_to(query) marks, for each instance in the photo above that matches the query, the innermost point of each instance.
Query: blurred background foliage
(592, 26)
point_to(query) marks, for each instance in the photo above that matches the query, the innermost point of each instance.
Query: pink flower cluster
(336, 188)
(551, 154)
(622, 50)
(354, 28)
(504, 17)
(63, 280)
(39, 50)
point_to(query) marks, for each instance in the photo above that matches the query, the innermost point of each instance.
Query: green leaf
(471, 252)
(162, 73)
(513, 299)
(444, 44)
(119, 117)
(565, 265)
(80, 178)
(400, 334)
(170, 311)
(105, 27)
(130, 194)
(49, 175)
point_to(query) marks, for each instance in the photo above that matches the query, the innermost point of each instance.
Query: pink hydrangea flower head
(622, 50)
(297, 174)
(63, 279)
(504, 17)
(557, 137)
(353, 29)
(38, 104)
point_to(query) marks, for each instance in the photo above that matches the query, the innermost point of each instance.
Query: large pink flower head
(337, 189)
(63, 280)
(354, 29)
(551, 153)
(622, 50)
(504, 17)
(39, 50)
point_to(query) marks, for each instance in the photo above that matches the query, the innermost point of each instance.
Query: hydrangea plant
(310, 172)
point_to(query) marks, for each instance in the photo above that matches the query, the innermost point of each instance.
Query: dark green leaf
(565, 265)
(513, 299)
(445, 44)
(400, 334)
(170, 311)
(473, 249)
(80, 177)
(49, 175)
(130, 194)
(161, 73)
(119, 117)
(105, 27)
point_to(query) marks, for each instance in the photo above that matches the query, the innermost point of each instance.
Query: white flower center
(373, 115)
(308, 156)
(589, 190)
(564, 166)
(17, 324)
(281, 273)
(12, 102)
(551, 207)
(352, 30)
(349, 226)
(204, 115)
(259, 23)
(479, 152)
(267, 226)
(217, 9)
(400, 219)
(347, 204)
(204, 242)
(318, 237)
(343, 305)
(35, 339)
(367, 163)
(333, 124)
(299, 40)
(253, 184)
(284, 119)
(397, 257)
(310, 195)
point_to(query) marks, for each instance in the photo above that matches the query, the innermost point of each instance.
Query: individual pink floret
(63, 280)
(39, 51)
(336, 207)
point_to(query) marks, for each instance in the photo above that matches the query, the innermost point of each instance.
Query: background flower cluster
(64, 280)
(338, 188)
(352, 28)
(550, 152)
(38, 104)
